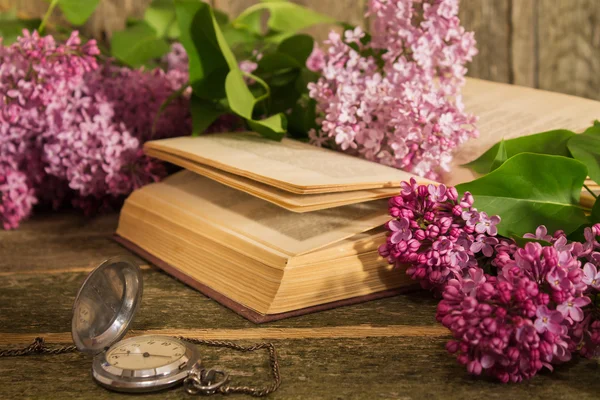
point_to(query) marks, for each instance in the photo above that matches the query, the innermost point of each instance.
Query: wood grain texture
(69, 241)
(523, 42)
(391, 348)
(569, 46)
(489, 19)
(375, 368)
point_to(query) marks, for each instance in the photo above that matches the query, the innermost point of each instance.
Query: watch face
(145, 352)
(144, 363)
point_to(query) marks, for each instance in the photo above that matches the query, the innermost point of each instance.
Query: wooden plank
(490, 21)
(55, 241)
(523, 42)
(569, 46)
(168, 304)
(374, 368)
(267, 333)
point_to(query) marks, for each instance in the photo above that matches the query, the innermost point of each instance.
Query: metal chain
(37, 347)
(196, 385)
(193, 384)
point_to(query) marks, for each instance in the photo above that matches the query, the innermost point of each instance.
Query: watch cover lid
(106, 304)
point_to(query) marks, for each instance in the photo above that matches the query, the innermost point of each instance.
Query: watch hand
(142, 354)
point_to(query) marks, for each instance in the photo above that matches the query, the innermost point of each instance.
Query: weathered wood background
(385, 349)
(549, 44)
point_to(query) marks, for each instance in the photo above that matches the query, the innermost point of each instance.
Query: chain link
(37, 347)
(195, 383)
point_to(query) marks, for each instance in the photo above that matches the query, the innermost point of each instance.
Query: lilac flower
(471, 217)
(558, 279)
(437, 193)
(484, 244)
(429, 233)
(487, 225)
(591, 276)
(316, 60)
(541, 233)
(572, 308)
(400, 230)
(408, 187)
(71, 129)
(548, 320)
(16, 197)
(534, 314)
(408, 113)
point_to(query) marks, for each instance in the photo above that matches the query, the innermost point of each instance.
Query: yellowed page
(291, 201)
(289, 165)
(261, 221)
(509, 111)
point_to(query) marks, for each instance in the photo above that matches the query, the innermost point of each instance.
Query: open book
(276, 229)
(290, 174)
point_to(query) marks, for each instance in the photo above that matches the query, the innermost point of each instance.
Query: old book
(262, 260)
(276, 229)
(288, 200)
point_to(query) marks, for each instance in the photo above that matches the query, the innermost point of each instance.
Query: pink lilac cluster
(439, 235)
(71, 129)
(397, 99)
(540, 307)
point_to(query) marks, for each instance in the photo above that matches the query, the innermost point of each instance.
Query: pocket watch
(104, 308)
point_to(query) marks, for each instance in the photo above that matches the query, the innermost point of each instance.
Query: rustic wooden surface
(389, 349)
(549, 44)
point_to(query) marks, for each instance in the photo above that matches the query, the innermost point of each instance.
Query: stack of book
(277, 229)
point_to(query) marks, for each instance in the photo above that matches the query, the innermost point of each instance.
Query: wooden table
(391, 348)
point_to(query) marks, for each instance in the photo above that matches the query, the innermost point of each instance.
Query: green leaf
(306, 76)
(593, 130)
(213, 87)
(239, 96)
(284, 17)
(77, 11)
(137, 45)
(529, 190)
(12, 27)
(303, 118)
(521, 241)
(272, 128)
(595, 216)
(204, 113)
(196, 26)
(298, 47)
(552, 142)
(586, 148)
(202, 35)
(276, 61)
(160, 15)
(501, 156)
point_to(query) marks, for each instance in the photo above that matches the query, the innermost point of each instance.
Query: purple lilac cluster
(396, 99)
(541, 306)
(437, 234)
(71, 129)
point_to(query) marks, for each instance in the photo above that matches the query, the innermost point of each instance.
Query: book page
(291, 201)
(266, 223)
(289, 165)
(509, 111)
